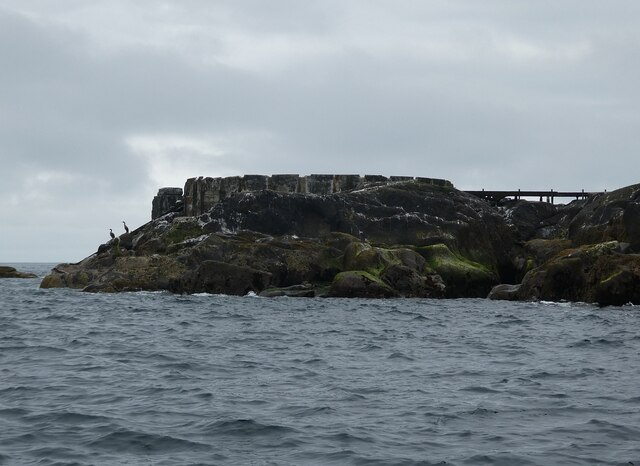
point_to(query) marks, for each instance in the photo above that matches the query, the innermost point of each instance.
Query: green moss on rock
(462, 277)
(375, 260)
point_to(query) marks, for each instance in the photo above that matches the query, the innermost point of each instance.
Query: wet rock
(504, 292)
(360, 284)
(305, 290)
(592, 273)
(408, 283)
(462, 277)
(220, 277)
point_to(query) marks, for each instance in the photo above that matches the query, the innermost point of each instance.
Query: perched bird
(111, 234)
(126, 228)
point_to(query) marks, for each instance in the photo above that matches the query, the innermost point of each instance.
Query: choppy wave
(153, 378)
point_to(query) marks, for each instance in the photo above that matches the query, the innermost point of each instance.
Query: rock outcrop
(11, 272)
(594, 256)
(167, 200)
(201, 194)
(384, 238)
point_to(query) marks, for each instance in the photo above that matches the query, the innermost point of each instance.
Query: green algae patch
(462, 277)
(439, 256)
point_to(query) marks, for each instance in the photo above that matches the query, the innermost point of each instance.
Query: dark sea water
(159, 379)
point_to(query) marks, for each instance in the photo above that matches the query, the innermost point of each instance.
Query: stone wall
(202, 193)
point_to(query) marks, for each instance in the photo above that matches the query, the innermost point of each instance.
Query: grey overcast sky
(104, 102)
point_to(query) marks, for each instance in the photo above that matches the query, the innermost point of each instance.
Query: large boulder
(360, 284)
(608, 217)
(536, 252)
(462, 277)
(409, 283)
(597, 273)
(402, 269)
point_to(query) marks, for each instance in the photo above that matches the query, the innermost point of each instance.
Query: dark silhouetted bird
(126, 228)
(111, 234)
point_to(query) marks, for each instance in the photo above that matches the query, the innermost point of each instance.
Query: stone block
(375, 179)
(189, 187)
(320, 184)
(167, 200)
(346, 182)
(254, 182)
(302, 185)
(229, 186)
(284, 183)
(441, 182)
(209, 194)
(421, 179)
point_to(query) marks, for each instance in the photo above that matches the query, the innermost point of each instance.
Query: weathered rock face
(410, 213)
(610, 216)
(11, 272)
(596, 273)
(540, 220)
(379, 240)
(594, 257)
(201, 194)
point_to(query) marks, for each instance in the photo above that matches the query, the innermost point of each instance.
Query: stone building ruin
(202, 193)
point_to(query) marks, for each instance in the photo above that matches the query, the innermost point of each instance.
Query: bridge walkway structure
(547, 196)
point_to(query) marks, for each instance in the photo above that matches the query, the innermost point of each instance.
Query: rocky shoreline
(378, 239)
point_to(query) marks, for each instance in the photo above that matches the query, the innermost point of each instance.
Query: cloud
(171, 158)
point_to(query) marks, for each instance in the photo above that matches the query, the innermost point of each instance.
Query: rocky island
(11, 272)
(371, 236)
